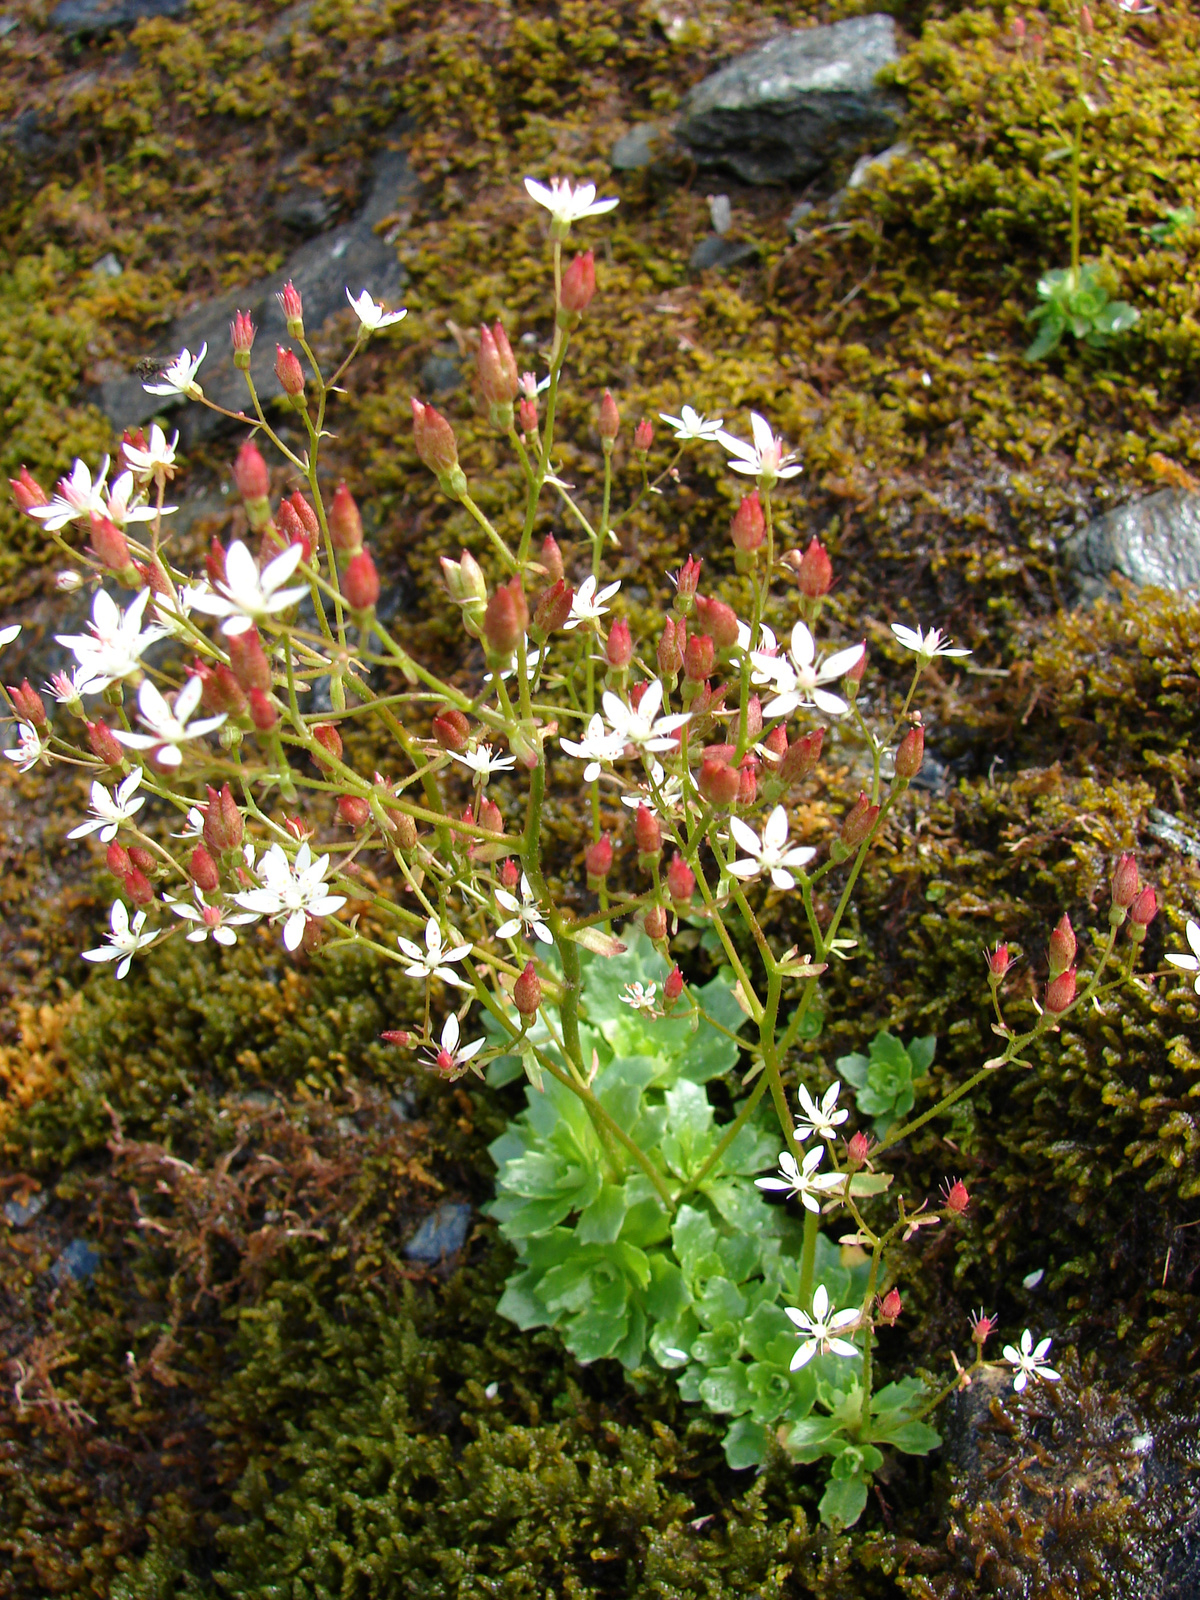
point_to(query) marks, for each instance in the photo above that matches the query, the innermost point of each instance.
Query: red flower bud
(718, 620)
(854, 674)
(552, 609)
(753, 718)
(489, 816)
(998, 961)
(289, 371)
(654, 921)
(1060, 992)
(241, 337)
(610, 420)
(910, 753)
(451, 729)
(858, 822)
(142, 859)
(434, 439)
(814, 571)
(327, 736)
(891, 1306)
(527, 416)
(1144, 909)
(152, 576)
(506, 619)
(981, 1324)
(647, 832)
(748, 528)
(673, 986)
(618, 651)
(345, 522)
(510, 873)
(801, 758)
(27, 491)
(598, 859)
(1125, 882)
(250, 473)
(579, 284)
(263, 714)
(138, 887)
(397, 1036)
(248, 660)
(214, 562)
(204, 870)
(104, 747)
(719, 783)
(354, 810)
(1062, 947)
(527, 991)
(222, 692)
(686, 582)
(698, 658)
(857, 1148)
(223, 825)
(293, 307)
(1085, 20)
(777, 741)
(117, 860)
(28, 703)
(748, 782)
(671, 646)
(360, 582)
(955, 1196)
(109, 545)
(681, 882)
(551, 558)
(497, 367)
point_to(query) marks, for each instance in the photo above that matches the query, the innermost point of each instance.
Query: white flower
(819, 1118)
(532, 662)
(925, 642)
(157, 457)
(819, 1331)
(771, 854)
(372, 316)
(587, 605)
(483, 763)
(453, 1056)
(768, 645)
(692, 425)
(432, 962)
(124, 941)
(524, 913)
(193, 826)
(1029, 1362)
(30, 749)
(180, 376)
(567, 205)
(115, 645)
(64, 686)
(765, 459)
(798, 679)
(295, 890)
(73, 497)
(639, 997)
(669, 789)
(168, 727)
(109, 811)
(68, 580)
(639, 727)
(248, 596)
(1190, 963)
(595, 747)
(217, 920)
(7, 635)
(805, 1182)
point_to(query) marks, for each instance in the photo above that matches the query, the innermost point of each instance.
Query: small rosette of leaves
(1078, 302)
(885, 1079)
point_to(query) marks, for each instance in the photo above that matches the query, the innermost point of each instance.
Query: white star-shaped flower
(218, 921)
(124, 941)
(640, 997)
(640, 727)
(820, 1331)
(453, 1056)
(248, 596)
(292, 890)
(373, 316)
(797, 678)
(670, 793)
(180, 376)
(1030, 1362)
(771, 853)
(565, 204)
(523, 913)
(692, 425)
(157, 458)
(109, 811)
(114, 647)
(169, 726)
(820, 1118)
(1190, 963)
(925, 642)
(587, 605)
(765, 459)
(483, 762)
(64, 686)
(595, 747)
(768, 645)
(532, 662)
(118, 509)
(804, 1181)
(434, 961)
(30, 749)
(74, 498)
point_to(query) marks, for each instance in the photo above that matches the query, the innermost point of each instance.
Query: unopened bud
(241, 337)
(648, 834)
(104, 747)
(138, 887)
(552, 609)
(506, 619)
(610, 420)
(497, 367)
(776, 742)
(1061, 947)
(327, 736)
(814, 571)
(754, 722)
(998, 961)
(527, 991)
(1125, 882)
(910, 753)
(510, 873)
(1018, 29)
(748, 782)
(28, 703)
(598, 859)
(397, 1036)
(263, 712)
(857, 1148)
(718, 620)
(643, 437)
(290, 373)
(955, 1197)
(671, 645)
(250, 473)
(858, 822)
(204, 871)
(527, 416)
(310, 523)
(222, 692)
(406, 830)
(489, 816)
(109, 545)
(434, 439)
(854, 675)
(686, 582)
(672, 987)
(117, 860)
(698, 658)
(248, 660)
(801, 758)
(360, 582)
(354, 810)
(891, 1306)
(1144, 909)
(345, 522)
(551, 558)
(681, 882)
(1085, 20)
(27, 491)
(748, 528)
(214, 562)
(451, 729)
(1060, 992)
(223, 825)
(618, 650)
(654, 921)
(579, 284)
(293, 309)
(719, 783)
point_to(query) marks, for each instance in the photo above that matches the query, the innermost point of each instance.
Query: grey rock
(786, 110)
(27, 134)
(78, 1262)
(1152, 542)
(718, 252)
(19, 1213)
(8, 24)
(720, 212)
(639, 148)
(441, 373)
(107, 267)
(105, 16)
(1173, 831)
(304, 209)
(351, 256)
(442, 1233)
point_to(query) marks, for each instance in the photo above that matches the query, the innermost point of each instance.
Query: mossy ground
(258, 1394)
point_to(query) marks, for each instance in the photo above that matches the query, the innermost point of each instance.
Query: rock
(304, 209)
(442, 1233)
(639, 148)
(104, 16)
(351, 256)
(107, 267)
(786, 110)
(718, 252)
(78, 1262)
(8, 24)
(1154, 541)
(441, 373)
(720, 212)
(19, 1213)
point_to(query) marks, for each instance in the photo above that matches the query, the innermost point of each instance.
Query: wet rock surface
(783, 112)
(442, 1233)
(75, 17)
(1152, 542)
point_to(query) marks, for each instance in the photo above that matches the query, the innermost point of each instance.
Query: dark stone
(19, 1213)
(715, 251)
(78, 1262)
(303, 209)
(442, 1233)
(786, 110)
(104, 16)
(441, 373)
(351, 256)
(639, 148)
(26, 133)
(1152, 542)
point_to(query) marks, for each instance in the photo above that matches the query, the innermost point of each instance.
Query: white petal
(764, 439)
(803, 648)
(293, 929)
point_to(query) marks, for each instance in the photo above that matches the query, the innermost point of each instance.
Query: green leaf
(854, 1069)
(843, 1502)
(720, 1303)
(921, 1052)
(913, 1438)
(667, 1296)
(1048, 339)
(725, 1389)
(632, 1348)
(594, 1334)
(520, 1302)
(745, 1444)
(601, 1220)
(814, 1437)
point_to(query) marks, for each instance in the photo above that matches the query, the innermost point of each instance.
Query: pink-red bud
(718, 620)
(686, 582)
(618, 651)
(654, 921)
(354, 810)
(681, 882)
(551, 558)
(955, 1196)
(891, 1306)
(221, 692)
(223, 825)
(719, 783)
(748, 781)
(910, 753)
(858, 822)
(1062, 947)
(138, 887)
(28, 703)
(647, 832)
(1125, 882)
(345, 522)
(109, 545)
(506, 619)
(1144, 909)
(598, 859)
(643, 436)
(434, 439)
(857, 1148)
(289, 372)
(249, 661)
(451, 729)
(117, 860)
(1060, 992)
(327, 736)
(814, 571)
(527, 416)
(510, 873)
(552, 609)
(698, 658)
(360, 582)
(610, 420)
(27, 491)
(671, 646)
(489, 816)
(527, 991)
(204, 871)
(673, 986)
(776, 741)
(579, 284)
(498, 380)
(801, 758)
(214, 561)
(293, 309)
(104, 747)
(250, 473)
(998, 961)
(748, 528)
(263, 713)
(241, 337)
